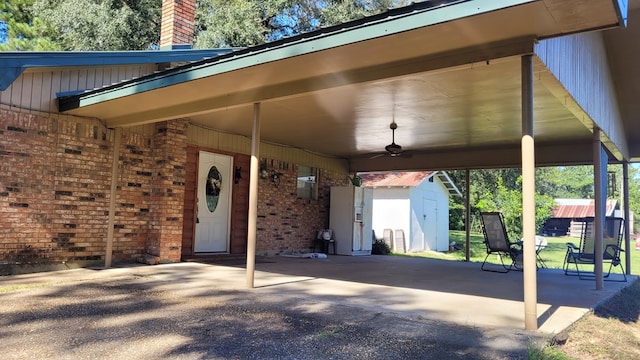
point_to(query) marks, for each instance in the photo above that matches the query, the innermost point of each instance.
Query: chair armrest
(517, 244)
(571, 246)
(614, 249)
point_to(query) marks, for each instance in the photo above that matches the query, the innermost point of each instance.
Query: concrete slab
(437, 289)
(442, 308)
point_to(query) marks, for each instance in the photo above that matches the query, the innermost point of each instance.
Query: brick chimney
(178, 24)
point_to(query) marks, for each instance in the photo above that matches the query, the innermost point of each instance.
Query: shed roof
(579, 208)
(408, 179)
(402, 178)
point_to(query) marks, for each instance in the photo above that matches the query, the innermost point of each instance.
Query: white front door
(213, 203)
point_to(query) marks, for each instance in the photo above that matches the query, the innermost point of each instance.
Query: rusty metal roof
(578, 208)
(402, 179)
(408, 179)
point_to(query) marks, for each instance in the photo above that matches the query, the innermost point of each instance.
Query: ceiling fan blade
(375, 156)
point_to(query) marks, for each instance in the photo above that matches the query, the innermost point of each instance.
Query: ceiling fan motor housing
(393, 148)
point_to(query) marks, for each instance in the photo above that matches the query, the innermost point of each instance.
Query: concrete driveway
(370, 307)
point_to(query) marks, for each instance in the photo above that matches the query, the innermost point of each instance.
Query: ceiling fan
(393, 149)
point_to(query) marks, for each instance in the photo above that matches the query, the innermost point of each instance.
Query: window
(307, 182)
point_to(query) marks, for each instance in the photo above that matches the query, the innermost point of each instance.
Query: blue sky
(3, 32)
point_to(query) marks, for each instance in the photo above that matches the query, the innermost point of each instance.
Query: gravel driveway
(189, 311)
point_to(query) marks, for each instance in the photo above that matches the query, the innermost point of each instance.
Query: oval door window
(213, 188)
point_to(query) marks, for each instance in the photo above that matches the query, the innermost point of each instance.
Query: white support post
(253, 196)
(467, 214)
(112, 198)
(528, 198)
(627, 217)
(600, 203)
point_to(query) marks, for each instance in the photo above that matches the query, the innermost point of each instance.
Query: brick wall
(54, 187)
(55, 177)
(285, 222)
(133, 202)
(167, 191)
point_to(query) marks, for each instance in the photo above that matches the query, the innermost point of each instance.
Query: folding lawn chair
(497, 242)
(583, 258)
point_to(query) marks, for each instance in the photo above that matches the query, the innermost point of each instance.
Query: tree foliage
(22, 30)
(500, 190)
(83, 25)
(231, 23)
(106, 25)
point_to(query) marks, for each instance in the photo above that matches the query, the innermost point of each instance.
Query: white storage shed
(417, 203)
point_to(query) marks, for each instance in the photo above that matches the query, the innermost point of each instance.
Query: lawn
(553, 255)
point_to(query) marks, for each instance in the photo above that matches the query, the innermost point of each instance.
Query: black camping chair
(580, 260)
(497, 242)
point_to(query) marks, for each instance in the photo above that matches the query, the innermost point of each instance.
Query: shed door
(430, 224)
(213, 203)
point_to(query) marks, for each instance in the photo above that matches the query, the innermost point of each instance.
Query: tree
(498, 190)
(106, 25)
(22, 30)
(241, 23)
(83, 25)
(571, 182)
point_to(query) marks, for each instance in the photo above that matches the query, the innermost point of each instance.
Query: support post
(627, 217)
(467, 214)
(253, 196)
(528, 198)
(600, 202)
(112, 197)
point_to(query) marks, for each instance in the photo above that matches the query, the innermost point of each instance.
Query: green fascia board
(12, 64)
(392, 22)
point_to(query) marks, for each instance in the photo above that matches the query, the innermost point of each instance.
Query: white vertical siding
(35, 90)
(200, 136)
(391, 210)
(439, 195)
(579, 62)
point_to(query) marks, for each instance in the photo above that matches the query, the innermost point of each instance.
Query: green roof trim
(12, 64)
(394, 21)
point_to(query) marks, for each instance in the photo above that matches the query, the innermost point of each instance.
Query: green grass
(553, 255)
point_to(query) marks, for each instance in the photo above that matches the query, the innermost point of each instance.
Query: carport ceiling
(475, 105)
(452, 86)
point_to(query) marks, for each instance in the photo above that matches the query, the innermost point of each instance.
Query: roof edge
(13, 64)
(385, 24)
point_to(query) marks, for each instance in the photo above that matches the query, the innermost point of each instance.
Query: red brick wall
(167, 191)
(133, 203)
(285, 222)
(55, 178)
(54, 188)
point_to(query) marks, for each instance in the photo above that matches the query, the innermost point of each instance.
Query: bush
(380, 248)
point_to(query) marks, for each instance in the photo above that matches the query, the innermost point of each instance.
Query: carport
(470, 84)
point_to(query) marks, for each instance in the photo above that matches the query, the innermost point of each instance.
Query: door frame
(230, 206)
